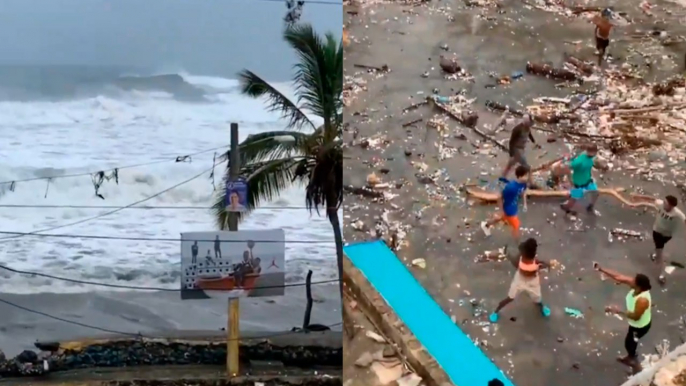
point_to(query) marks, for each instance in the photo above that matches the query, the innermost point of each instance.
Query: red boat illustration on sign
(227, 282)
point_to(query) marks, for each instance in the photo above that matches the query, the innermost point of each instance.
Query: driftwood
(667, 88)
(550, 71)
(628, 142)
(383, 68)
(469, 119)
(492, 197)
(580, 64)
(416, 105)
(363, 191)
(574, 133)
(543, 118)
(412, 122)
(649, 109)
(579, 10)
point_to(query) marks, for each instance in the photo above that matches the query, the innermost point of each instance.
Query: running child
(508, 203)
(526, 279)
(603, 26)
(581, 168)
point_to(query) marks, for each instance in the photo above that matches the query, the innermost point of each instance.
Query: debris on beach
(574, 313)
(626, 233)
(446, 143)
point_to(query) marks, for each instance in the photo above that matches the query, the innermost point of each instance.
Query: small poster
(237, 195)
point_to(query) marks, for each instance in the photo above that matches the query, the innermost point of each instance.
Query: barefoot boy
(603, 26)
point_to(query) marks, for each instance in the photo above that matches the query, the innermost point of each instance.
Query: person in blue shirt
(508, 202)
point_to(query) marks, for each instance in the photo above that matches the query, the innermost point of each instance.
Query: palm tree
(302, 153)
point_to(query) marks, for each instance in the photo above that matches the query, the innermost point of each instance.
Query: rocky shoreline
(142, 353)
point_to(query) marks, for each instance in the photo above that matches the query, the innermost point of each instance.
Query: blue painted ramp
(465, 364)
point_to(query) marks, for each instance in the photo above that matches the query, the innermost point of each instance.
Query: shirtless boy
(603, 26)
(526, 279)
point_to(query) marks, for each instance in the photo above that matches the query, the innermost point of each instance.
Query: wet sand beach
(151, 312)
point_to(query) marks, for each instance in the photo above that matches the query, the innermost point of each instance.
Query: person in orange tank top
(526, 279)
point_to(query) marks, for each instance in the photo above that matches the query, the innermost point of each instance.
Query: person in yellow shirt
(638, 314)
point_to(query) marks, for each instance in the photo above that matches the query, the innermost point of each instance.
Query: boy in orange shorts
(508, 202)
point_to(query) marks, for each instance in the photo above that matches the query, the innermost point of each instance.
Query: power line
(181, 158)
(36, 233)
(153, 207)
(137, 335)
(143, 288)
(125, 238)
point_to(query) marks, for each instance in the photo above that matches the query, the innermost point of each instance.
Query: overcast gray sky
(205, 37)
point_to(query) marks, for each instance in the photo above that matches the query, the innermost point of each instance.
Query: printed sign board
(233, 264)
(237, 195)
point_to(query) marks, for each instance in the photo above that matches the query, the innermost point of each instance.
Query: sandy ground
(563, 351)
(150, 312)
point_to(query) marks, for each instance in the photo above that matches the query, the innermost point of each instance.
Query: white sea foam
(54, 138)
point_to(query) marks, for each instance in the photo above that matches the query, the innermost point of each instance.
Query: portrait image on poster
(237, 196)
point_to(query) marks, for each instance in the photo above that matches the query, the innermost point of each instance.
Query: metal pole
(233, 328)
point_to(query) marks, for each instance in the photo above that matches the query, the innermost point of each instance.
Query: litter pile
(642, 125)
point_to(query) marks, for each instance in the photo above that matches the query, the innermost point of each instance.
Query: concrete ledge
(392, 327)
(647, 376)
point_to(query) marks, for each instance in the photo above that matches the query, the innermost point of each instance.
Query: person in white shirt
(667, 221)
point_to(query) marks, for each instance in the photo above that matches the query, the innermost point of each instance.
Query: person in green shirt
(581, 168)
(638, 314)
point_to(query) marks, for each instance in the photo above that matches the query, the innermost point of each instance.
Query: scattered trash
(574, 313)
(639, 126)
(374, 336)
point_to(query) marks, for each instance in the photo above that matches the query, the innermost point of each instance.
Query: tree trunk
(338, 237)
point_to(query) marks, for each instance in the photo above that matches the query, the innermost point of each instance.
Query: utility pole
(233, 327)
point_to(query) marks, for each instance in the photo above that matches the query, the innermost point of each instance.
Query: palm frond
(319, 76)
(267, 180)
(256, 87)
(272, 145)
